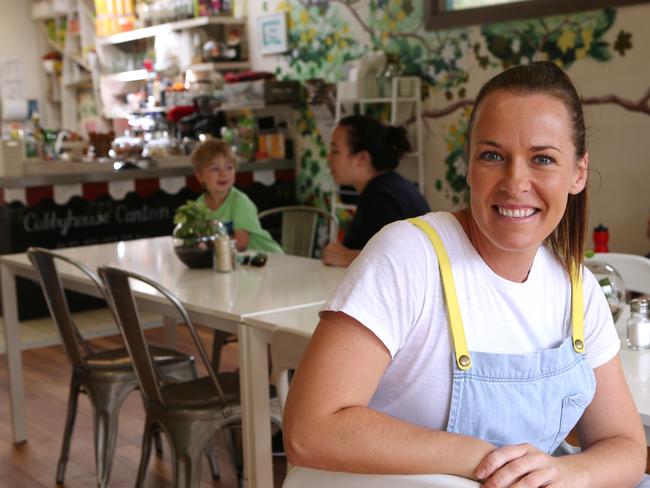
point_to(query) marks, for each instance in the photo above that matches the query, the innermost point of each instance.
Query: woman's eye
(490, 156)
(543, 159)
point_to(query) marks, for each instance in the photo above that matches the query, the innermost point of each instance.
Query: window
(446, 14)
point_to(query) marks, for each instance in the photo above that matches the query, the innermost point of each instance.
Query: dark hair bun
(397, 141)
(385, 144)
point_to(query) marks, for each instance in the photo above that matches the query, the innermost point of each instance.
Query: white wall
(21, 38)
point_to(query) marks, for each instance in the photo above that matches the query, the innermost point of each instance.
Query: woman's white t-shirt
(393, 288)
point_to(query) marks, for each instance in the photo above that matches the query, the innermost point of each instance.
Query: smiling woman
(472, 343)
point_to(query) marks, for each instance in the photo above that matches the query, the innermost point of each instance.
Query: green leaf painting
(326, 35)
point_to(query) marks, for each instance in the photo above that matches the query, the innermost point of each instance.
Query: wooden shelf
(141, 74)
(133, 75)
(378, 100)
(220, 65)
(146, 32)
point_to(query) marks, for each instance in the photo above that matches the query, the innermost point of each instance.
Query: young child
(214, 167)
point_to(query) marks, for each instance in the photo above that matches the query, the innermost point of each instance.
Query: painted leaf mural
(325, 35)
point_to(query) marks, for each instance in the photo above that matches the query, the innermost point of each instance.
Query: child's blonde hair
(208, 150)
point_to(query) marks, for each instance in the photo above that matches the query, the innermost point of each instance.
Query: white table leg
(169, 331)
(256, 417)
(13, 353)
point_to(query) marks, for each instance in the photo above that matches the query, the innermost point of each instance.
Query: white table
(216, 300)
(315, 478)
(636, 367)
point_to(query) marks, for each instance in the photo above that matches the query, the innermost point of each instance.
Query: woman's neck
(513, 265)
(364, 179)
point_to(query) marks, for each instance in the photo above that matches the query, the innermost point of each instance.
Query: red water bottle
(601, 239)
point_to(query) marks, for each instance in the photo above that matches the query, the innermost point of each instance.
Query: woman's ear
(580, 175)
(363, 160)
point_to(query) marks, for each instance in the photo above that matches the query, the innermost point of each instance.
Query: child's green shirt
(238, 212)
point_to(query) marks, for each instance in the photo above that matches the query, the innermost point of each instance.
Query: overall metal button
(464, 361)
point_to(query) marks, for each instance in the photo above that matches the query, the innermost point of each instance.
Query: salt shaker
(638, 325)
(222, 254)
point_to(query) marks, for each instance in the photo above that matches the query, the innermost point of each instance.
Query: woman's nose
(516, 177)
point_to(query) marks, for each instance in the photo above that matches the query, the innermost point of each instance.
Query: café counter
(57, 204)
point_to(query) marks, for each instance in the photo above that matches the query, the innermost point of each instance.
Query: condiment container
(638, 325)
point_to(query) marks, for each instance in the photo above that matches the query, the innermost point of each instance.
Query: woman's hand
(524, 466)
(336, 254)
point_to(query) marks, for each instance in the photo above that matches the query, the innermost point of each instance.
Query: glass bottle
(638, 325)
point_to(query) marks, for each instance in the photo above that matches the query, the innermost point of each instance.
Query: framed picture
(273, 33)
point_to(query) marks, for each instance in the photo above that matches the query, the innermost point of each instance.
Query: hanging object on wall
(273, 33)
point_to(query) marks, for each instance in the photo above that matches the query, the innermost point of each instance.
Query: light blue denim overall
(508, 399)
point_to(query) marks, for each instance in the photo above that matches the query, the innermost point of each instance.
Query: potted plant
(194, 235)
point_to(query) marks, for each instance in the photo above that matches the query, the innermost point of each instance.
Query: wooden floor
(33, 464)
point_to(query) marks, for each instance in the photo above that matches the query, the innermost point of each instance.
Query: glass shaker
(638, 325)
(222, 248)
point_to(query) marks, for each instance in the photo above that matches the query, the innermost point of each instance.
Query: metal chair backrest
(287, 347)
(44, 262)
(634, 269)
(121, 299)
(300, 226)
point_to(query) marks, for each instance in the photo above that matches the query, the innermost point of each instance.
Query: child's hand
(242, 237)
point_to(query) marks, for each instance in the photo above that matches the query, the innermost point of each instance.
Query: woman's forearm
(618, 461)
(363, 440)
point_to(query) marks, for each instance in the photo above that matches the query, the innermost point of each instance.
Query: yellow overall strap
(577, 313)
(455, 320)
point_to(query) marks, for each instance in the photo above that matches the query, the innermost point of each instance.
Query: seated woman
(364, 154)
(471, 343)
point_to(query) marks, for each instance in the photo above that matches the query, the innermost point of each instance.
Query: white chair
(299, 227)
(287, 347)
(634, 269)
(316, 478)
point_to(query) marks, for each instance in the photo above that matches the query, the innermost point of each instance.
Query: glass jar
(194, 249)
(638, 325)
(611, 283)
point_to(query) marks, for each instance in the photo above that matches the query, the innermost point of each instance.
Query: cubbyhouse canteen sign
(81, 221)
(63, 221)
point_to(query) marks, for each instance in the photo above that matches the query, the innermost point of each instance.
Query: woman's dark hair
(384, 143)
(543, 77)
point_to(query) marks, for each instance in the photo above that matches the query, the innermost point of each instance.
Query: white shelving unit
(78, 72)
(405, 93)
(132, 45)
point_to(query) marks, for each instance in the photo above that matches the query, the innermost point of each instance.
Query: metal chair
(107, 376)
(299, 227)
(299, 230)
(188, 412)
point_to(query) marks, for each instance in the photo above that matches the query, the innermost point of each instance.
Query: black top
(386, 198)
